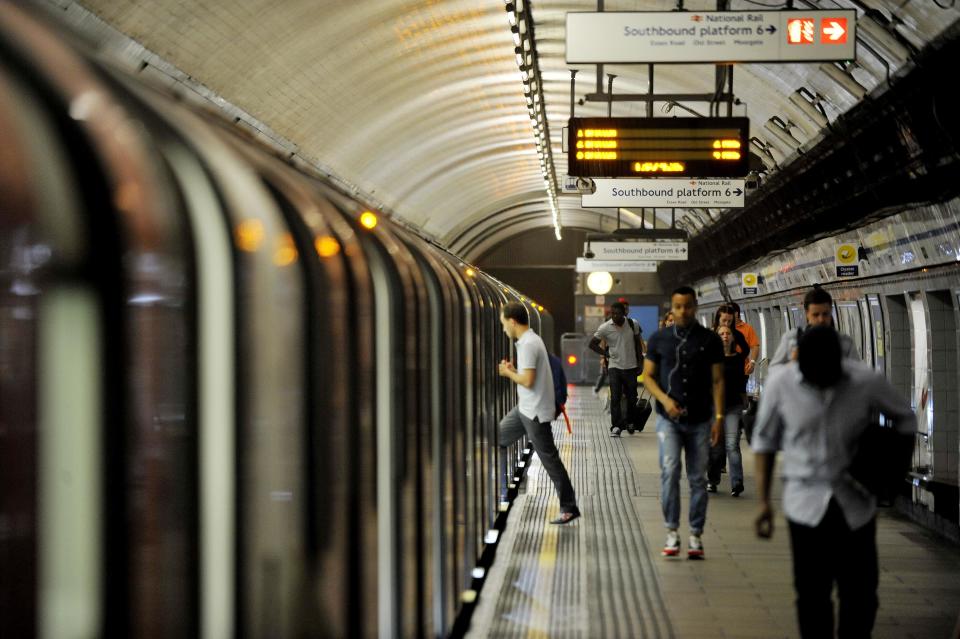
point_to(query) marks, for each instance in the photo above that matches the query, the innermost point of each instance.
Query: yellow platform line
(542, 599)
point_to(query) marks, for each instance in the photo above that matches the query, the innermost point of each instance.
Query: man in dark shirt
(683, 370)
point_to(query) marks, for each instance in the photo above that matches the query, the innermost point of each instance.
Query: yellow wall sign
(846, 258)
(749, 283)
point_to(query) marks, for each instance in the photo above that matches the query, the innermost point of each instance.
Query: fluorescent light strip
(520, 20)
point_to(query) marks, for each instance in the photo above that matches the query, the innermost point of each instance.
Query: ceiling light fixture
(881, 35)
(780, 130)
(806, 111)
(599, 282)
(841, 75)
(764, 153)
(521, 24)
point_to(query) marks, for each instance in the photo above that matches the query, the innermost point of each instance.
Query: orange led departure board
(651, 147)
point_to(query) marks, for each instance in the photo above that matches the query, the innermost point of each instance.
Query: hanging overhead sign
(653, 147)
(615, 266)
(657, 250)
(711, 36)
(665, 192)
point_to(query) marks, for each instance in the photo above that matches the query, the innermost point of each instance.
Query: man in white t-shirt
(624, 356)
(536, 408)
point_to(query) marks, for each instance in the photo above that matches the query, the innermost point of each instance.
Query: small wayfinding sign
(657, 250)
(615, 266)
(749, 283)
(666, 192)
(711, 36)
(846, 259)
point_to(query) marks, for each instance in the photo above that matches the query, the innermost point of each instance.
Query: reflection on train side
(233, 400)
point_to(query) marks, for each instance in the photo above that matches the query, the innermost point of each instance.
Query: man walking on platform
(623, 355)
(536, 408)
(684, 372)
(816, 411)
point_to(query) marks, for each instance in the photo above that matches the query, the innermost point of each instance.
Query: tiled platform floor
(742, 589)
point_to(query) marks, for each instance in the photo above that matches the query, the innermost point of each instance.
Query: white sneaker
(614, 432)
(671, 547)
(695, 549)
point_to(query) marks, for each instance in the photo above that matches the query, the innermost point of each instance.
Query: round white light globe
(600, 282)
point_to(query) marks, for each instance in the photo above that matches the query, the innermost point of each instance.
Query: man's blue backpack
(559, 383)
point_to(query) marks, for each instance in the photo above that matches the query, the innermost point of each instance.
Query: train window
(918, 323)
(942, 395)
(899, 348)
(778, 320)
(924, 455)
(752, 317)
(879, 336)
(797, 318)
(764, 337)
(867, 350)
(849, 314)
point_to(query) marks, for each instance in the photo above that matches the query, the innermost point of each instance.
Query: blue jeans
(694, 440)
(731, 446)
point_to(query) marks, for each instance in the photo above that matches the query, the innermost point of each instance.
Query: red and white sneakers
(671, 547)
(695, 549)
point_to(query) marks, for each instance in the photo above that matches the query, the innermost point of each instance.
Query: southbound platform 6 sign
(665, 193)
(658, 147)
(711, 36)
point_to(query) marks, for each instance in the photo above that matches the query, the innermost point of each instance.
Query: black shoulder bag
(882, 459)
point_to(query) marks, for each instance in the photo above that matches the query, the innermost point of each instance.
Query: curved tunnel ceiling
(420, 104)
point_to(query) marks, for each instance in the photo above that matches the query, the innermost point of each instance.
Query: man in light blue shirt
(535, 409)
(815, 410)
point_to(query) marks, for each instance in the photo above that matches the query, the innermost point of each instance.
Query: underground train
(234, 401)
(903, 322)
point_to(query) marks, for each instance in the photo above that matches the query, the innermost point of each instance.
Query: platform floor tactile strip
(590, 578)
